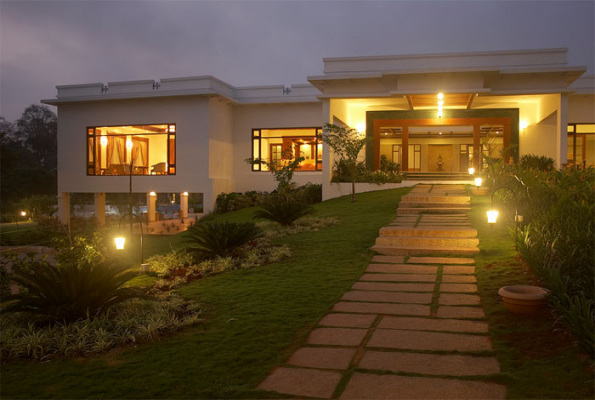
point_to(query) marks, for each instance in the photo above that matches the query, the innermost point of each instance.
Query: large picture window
(279, 146)
(136, 149)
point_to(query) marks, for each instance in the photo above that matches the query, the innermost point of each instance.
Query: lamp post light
(471, 171)
(121, 241)
(493, 214)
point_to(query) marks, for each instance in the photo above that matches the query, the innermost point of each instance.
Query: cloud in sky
(49, 43)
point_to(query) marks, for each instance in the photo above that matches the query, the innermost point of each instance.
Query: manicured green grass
(254, 319)
(537, 357)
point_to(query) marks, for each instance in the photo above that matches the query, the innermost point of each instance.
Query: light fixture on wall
(523, 125)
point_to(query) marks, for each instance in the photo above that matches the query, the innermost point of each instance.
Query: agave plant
(69, 291)
(220, 238)
(283, 209)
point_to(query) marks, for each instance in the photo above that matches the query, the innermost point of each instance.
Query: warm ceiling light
(440, 96)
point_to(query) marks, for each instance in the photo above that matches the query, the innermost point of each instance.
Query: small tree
(283, 172)
(346, 144)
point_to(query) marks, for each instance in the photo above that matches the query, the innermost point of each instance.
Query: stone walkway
(409, 328)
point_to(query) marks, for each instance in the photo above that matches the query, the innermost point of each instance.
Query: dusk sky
(49, 43)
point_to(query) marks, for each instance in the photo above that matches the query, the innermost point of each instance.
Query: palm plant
(283, 209)
(70, 291)
(220, 238)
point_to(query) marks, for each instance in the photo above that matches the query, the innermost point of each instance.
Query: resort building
(432, 113)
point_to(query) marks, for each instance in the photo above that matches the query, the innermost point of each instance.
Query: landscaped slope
(255, 319)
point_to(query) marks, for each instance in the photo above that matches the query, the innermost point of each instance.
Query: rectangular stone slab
(394, 287)
(430, 341)
(348, 320)
(337, 336)
(302, 382)
(322, 357)
(382, 308)
(460, 312)
(388, 259)
(388, 297)
(451, 299)
(429, 364)
(433, 324)
(372, 386)
(401, 269)
(440, 260)
(458, 288)
(457, 269)
(459, 278)
(397, 278)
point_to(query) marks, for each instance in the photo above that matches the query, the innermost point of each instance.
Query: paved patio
(409, 328)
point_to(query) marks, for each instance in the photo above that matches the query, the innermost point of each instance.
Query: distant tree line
(28, 157)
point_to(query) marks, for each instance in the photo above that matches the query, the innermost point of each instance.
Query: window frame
(257, 138)
(92, 135)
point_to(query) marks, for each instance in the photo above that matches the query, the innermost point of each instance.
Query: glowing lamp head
(440, 96)
(120, 241)
(23, 213)
(523, 125)
(471, 171)
(152, 194)
(185, 193)
(492, 216)
(478, 182)
(361, 127)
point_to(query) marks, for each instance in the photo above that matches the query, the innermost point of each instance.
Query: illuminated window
(279, 146)
(136, 149)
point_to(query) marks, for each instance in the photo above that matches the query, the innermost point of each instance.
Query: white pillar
(100, 208)
(184, 205)
(562, 131)
(64, 208)
(151, 201)
(327, 162)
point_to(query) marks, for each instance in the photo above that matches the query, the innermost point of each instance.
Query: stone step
(408, 250)
(394, 231)
(428, 341)
(433, 204)
(435, 210)
(427, 242)
(417, 198)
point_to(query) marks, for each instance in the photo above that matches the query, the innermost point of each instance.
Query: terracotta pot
(523, 299)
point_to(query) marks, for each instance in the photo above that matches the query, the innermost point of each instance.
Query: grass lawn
(254, 319)
(537, 357)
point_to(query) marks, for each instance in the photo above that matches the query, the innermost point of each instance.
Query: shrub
(70, 291)
(125, 324)
(540, 163)
(283, 209)
(220, 238)
(310, 193)
(172, 263)
(389, 166)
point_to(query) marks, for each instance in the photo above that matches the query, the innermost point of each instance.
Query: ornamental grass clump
(220, 238)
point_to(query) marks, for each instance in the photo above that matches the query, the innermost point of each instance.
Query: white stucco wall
(581, 109)
(248, 117)
(190, 114)
(221, 115)
(540, 139)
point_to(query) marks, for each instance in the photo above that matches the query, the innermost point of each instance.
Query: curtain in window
(139, 153)
(120, 150)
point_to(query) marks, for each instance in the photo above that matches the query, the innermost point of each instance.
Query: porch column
(506, 141)
(327, 156)
(477, 148)
(151, 201)
(100, 208)
(405, 149)
(64, 208)
(562, 131)
(184, 205)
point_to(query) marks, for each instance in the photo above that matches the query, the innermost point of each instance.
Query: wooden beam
(470, 101)
(410, 101)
